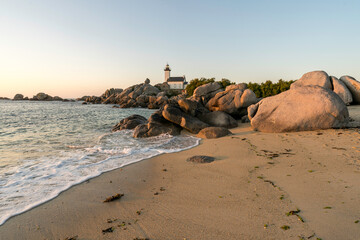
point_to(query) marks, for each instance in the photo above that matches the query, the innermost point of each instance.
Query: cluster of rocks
(348, 88)
(39, 97)
(4, 98)
(210, 112)
(141, 95)
(315, 101)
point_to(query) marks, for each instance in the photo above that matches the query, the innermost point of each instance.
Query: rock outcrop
(347, 87)
(18, 97)
(354, 87)
(141, 95)
(213, 132)
(299, 109)
(340, 89)
(316, 78)
(207, 91)
(218, 119)
(83, 98)
(175, 115)
(156, 125)
(44, 97)
(130, 122)
(192, 107)
(233, 101)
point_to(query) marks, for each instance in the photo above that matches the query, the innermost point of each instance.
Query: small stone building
(176, 83)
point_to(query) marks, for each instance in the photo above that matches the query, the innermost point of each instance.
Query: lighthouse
(176, 83)
(167, 72)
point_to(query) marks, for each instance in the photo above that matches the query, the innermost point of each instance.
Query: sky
(72, 48)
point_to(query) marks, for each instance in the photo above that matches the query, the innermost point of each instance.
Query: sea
(47, 147)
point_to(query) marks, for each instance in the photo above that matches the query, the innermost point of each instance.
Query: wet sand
(245, 193)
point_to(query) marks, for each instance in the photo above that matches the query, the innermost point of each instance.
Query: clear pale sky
(72, 48)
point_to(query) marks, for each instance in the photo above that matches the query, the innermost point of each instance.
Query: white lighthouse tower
(167, 72)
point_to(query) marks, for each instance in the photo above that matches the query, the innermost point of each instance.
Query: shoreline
(41, 202)
(245, 193)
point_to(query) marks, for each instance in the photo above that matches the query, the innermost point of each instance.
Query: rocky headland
(40, 97)
(315, 101)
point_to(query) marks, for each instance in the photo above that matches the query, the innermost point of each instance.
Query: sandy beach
(301, 185)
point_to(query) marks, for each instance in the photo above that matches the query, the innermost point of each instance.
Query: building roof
(176, 79)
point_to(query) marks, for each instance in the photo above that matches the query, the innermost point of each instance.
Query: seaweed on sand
(113, 198)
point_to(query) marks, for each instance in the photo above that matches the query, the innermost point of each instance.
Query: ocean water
(47, 147)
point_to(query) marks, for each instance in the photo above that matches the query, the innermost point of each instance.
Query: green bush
(269, 88)
(261, 90)
(190, 88)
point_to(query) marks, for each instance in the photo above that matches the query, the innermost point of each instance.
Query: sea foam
(40, 160)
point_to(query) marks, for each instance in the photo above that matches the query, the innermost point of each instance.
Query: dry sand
(244, 194)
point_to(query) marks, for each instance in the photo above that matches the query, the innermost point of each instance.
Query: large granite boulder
(218, 119)
(299, 109)
(163, 86)
(125, 93)
(93, 99)
(316, 78)
(205, 92)
(354, 87)
(241, 86)
(142, 100)
(130, 122)
(110, 99)
(341, 90)
(150, 90)
(18, 97)
(213, 132)
(192, 107)
(233, 102)
(156, 125)
(174, 114)
(42, 97)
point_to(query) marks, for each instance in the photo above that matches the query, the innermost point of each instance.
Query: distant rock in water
(299, 109)
(4, 98)
(83, 98)
(45, 97)
(18, 97)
